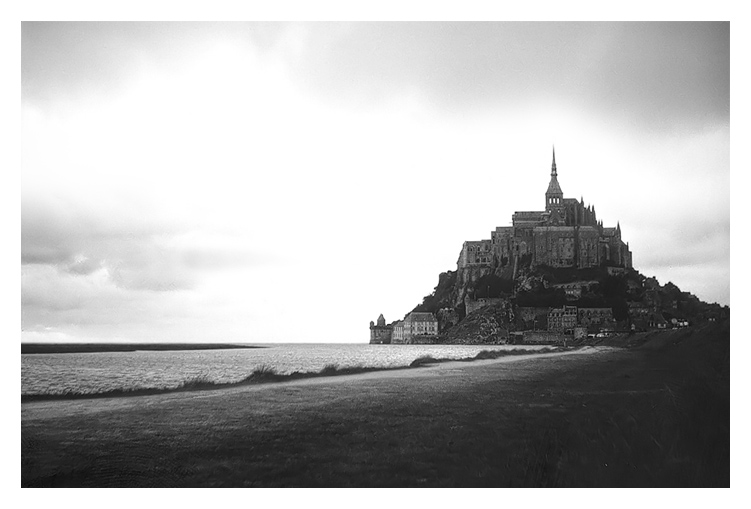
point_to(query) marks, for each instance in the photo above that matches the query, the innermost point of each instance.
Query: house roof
(420, 317)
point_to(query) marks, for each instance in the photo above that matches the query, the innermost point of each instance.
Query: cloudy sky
(289, 182)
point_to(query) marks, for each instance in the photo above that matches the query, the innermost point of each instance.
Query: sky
(289, 182)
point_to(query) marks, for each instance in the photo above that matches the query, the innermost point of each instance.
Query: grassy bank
(655, 415)
(266, 374)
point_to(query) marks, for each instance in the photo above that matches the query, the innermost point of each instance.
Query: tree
(492, 286)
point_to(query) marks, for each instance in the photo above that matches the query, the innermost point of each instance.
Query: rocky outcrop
(489, 325)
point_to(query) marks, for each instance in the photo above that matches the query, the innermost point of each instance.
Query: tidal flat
(648, 410)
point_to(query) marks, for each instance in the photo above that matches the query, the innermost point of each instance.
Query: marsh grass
(426, 360)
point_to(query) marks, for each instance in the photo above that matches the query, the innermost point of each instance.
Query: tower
(554, 197)
(381, 321)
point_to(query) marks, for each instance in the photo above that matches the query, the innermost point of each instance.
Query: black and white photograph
(375, 254)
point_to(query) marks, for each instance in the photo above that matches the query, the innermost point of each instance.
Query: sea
(59, 373)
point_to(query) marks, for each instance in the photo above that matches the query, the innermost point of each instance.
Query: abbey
(565, 234)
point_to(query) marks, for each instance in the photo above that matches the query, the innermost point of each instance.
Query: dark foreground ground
(653, 411)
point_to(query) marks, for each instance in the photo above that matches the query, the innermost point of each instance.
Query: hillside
(496, 301)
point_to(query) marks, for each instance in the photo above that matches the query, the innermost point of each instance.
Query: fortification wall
(588, 242)
(544, 338)
(422, 339)
(555, 245)
(380, 335)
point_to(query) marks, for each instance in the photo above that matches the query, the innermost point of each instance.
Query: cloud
(663, 76)
(83, 266)
(79, 61)
(135, 253)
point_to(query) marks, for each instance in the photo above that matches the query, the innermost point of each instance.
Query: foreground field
(651, 410)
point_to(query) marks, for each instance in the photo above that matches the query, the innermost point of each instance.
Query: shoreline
(266, 375)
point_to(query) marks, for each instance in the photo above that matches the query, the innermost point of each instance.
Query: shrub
(424, 360)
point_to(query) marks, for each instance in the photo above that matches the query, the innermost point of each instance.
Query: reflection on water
(97, 372)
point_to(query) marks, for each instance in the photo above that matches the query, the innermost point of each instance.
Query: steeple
(554, 195)
(554, 172)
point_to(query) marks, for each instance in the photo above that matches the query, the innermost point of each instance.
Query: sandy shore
(581, 418)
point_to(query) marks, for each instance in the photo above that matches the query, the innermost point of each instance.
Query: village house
(595, 318)
(414, 325)
(562, 320)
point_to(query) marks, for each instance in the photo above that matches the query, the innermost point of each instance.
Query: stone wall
(555, 246)
(476, 252)
(588, 255)
(422, 339)
(473, 305)
(544, 338)
(380, 335)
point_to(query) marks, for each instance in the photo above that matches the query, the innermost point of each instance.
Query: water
(99, 372)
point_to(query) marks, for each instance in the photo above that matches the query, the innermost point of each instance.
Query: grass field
(654, 411)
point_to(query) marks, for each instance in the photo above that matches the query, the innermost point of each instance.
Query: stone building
(414, 325)
(575, 289)
(566, 234)
(397, 336)
(563, 319)
(380, 333)
(594, 318)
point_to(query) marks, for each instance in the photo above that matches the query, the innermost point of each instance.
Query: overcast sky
(289, 182)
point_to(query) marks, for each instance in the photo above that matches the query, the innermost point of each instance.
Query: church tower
(554, 197)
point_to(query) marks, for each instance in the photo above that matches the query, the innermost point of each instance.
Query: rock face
(466, 278)
(489, 325)
(495, 309)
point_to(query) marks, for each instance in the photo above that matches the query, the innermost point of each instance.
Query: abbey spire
(554, 195)
(553, 171)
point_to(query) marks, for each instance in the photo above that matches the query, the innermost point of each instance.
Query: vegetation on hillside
(538, 288)
(492, 286)
(442, 295)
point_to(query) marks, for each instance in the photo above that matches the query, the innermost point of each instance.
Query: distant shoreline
(34, 348)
